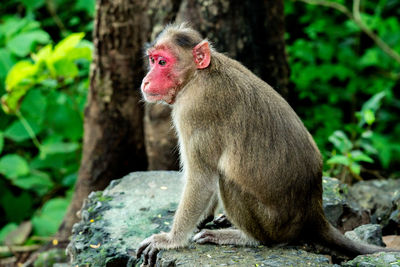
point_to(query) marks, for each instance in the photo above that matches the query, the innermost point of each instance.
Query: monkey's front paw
(150, 247)
(205, 236)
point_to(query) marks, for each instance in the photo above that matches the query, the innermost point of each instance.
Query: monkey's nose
(144, 84)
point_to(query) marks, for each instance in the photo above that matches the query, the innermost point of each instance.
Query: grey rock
(381, 198)
(143, 203)
(116, 220)
(368, 233)
(340, 212)
(209, 255)
(378, 259)
(140, 204)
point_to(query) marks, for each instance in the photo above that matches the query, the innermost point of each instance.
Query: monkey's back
(259, 146)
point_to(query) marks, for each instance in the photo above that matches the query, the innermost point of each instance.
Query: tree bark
(249, 31)
(113, 129)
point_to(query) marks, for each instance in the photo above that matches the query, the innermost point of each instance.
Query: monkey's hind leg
(225, 237)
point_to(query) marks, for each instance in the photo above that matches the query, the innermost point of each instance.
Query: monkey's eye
(162, 62)
(152, 60)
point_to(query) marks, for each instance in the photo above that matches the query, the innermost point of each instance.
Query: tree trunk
(249, 31)
(113, 140)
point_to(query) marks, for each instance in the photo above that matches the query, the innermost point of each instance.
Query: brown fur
(240, 139)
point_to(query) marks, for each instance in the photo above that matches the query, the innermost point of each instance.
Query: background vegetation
(344, 87)
(44, 67)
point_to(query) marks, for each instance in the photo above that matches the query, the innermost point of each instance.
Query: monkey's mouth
(153, 97)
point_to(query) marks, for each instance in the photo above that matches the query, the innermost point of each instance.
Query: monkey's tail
(335, 240)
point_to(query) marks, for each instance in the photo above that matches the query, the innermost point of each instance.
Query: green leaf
(358, 155)
(64, 120)
(47, 221)
(8, 228)
(17, 132)
(1, 141)
(64, 46)
(18, 82)
(355, 168)
(13, 166)
(369, 148)
(65, 68)
(369, 108)
(6, 62)
(369, 116)
(374, 102)
(339, 159)
(367, 134)
(340, 140)
(80, 53)
(370, 58)
(384, 148)
(35, 101)
(87, 5)
(69, 180)
(12, 25)
(29, 4)
(22, 44)
(10, 102)
(38, 182)
(19, 72)
(43, 54)
(59, 147)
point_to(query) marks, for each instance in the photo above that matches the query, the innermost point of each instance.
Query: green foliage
(47, 220)
(13, 166)
(43, 88)
(48, 64)
(348, 155)
(335, 68)
(6, 230)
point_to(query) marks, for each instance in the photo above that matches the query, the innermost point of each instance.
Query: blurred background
(337, 63)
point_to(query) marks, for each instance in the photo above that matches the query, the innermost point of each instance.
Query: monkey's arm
(198, 194)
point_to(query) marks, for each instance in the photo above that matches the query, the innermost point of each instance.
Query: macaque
(239, 142)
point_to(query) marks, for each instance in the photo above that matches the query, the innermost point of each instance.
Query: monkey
(240, 142)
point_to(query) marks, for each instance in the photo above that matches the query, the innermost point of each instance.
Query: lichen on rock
(140, 204)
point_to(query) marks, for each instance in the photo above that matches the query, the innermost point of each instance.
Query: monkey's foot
(217, 223)
(222, 221)
(224, 237)
(203, 223)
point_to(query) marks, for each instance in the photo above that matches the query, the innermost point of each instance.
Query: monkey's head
(173, 58)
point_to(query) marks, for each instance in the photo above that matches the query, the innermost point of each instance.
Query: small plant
(349, 154)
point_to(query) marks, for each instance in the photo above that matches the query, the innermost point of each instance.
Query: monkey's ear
(202, 55)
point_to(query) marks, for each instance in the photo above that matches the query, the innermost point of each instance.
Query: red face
(161, 82)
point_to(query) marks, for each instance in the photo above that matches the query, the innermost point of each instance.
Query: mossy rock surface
(383, 259)
(140, 204)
